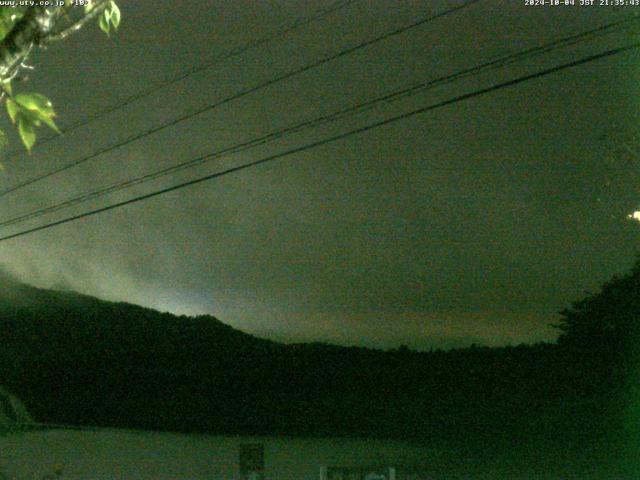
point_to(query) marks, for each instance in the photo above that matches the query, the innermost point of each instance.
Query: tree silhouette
(606, 323)
(601, 333)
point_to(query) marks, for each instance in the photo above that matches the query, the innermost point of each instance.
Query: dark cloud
(474, 223)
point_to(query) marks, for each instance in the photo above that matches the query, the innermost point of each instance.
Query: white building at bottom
(33, 452)
(120, 454)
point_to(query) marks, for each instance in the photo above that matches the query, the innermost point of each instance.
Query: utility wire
(240, 94)
(324, 119)
(331, 139)
(265, 39)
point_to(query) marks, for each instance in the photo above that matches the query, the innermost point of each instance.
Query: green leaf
(115, 15)
(9, 16)
(13, 109)
(51, 124)
(5, 27)
(27, 132)
(7, 87)
(31, 116)
(37, 103)
(104, 22)
(3, 143)
(37, 108)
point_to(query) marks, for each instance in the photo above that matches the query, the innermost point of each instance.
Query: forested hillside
(78, 360)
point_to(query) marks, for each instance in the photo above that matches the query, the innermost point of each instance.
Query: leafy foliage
(29, 111)
(607, 322)
(8, 18)
(110, 18)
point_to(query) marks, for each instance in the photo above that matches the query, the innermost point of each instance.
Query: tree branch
(36, 28)
(78, 24)
(17, 44)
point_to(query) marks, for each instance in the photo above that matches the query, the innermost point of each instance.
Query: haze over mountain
(475, 222)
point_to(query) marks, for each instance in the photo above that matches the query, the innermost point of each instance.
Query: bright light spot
(635, 215)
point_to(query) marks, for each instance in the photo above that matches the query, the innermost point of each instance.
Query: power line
(324, 119)
(331, 139)
(321, 13)
(394, 96)
(240, 94)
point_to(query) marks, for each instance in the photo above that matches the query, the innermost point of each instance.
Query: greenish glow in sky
(474, 223)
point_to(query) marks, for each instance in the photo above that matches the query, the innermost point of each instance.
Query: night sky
(476, 222)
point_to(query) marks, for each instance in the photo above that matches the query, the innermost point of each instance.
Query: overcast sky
(476, 222)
